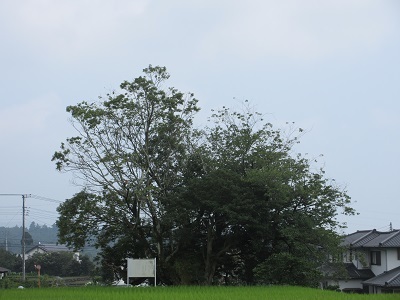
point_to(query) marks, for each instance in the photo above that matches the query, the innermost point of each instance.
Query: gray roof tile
(351, 238)
(388, 279)
(393, 241)
(372, 239)
(51, 248)
(355, 273)
(4, 270)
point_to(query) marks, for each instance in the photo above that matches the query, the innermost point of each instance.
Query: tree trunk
(210, 263)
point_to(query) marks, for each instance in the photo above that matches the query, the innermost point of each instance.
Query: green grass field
(187, 293)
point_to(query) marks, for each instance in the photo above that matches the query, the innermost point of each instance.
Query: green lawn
(184, 293)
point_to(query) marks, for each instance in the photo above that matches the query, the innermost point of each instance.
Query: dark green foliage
(289, 269)
(28, 239)
(60, 264)
(13, 281)
(43, 233)
(248, 200)
(38, 233)
(217, 205)
(10, 261)
(130, 154)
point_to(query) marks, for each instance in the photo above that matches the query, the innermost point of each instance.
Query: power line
(11, 210)
(46, 199)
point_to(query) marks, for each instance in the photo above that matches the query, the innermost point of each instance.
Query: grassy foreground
(187, 293)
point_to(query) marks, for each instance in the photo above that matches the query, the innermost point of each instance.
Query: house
(4, 272)
(372, 262)
(386, 282)
(47, 248)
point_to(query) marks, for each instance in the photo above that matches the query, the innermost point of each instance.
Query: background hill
(10, 237)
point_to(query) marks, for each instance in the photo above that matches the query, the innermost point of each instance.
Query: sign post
(38, 267)
(142, 268)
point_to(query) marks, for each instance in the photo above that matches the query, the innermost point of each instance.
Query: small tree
(10, 261)
(60, 264)
(28, 239)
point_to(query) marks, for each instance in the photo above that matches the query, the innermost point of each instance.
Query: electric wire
(45, 199)
(43, 216)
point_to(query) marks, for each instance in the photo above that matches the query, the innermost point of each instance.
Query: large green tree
(247, 200)
(224, 203)
(129, 155)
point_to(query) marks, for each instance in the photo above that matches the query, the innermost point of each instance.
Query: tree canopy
(60, 264)
(10, 261)
(215, 204)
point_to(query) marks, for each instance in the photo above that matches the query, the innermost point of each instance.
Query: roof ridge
(389, 237)
(394, 277)
(360, 238)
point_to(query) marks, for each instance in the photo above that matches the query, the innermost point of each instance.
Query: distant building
(372, 262)
(4, 272)
(47, 248)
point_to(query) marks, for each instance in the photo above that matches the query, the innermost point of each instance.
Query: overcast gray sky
(332, 67)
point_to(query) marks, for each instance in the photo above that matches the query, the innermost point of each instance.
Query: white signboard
(142, 268)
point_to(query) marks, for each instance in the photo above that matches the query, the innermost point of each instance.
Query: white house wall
(392, 259)
(29, 254)
(350, 284)
(388, 260)
(379, 269)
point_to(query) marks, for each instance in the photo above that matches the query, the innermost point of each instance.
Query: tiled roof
(333, 270)
(387, 279)
(51, 248)
(355, 273)
(358, 236)
(372, 239)
(54, 248)
(4, 270)
(393, 240)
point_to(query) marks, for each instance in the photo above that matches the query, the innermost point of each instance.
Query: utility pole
(23, 237)
(6, 241)
(24, 196)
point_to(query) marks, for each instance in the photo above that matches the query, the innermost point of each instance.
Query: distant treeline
(11, 237)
